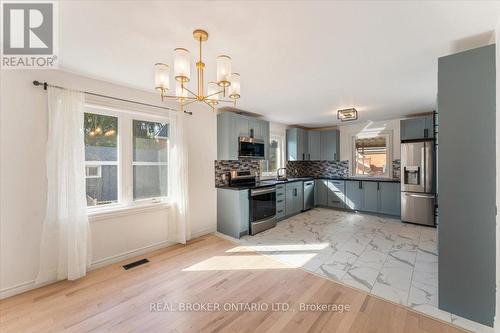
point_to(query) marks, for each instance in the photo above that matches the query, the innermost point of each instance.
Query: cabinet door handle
(303, 156)
(335, 156)
(426, 133)
(378, 186)
(360, 184)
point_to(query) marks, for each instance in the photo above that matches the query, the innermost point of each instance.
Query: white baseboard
(128, 254)
(203, 232)
(17, 289)
(30, 285)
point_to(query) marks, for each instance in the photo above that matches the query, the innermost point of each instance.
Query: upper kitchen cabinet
(231, 126)
(329, 147)
(417, 128)
(304, 145)
(254, 128)
(314, 145)
(296, 144)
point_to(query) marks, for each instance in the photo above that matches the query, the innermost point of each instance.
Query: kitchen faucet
(280, 176)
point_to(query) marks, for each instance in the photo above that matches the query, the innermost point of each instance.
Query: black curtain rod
(45, 85)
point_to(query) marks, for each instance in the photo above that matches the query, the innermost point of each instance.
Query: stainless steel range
(418, 185)
(262, 200)
(262, 209)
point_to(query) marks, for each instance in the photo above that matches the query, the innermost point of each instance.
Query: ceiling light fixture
(227, 83)
(347, 114)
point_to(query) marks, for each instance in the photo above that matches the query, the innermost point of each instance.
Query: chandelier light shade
(235, 91)
(347, 114)
(225, 81)
(182, 65)
(162, 77)
(224, 70)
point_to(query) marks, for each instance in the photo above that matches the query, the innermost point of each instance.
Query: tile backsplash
(294, 169)
(396, 169)
(317, 169)
(224, 167)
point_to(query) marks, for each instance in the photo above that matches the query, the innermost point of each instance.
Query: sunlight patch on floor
(280, 248)
(237, 262)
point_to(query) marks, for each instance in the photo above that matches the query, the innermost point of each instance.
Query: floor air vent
(136, 263)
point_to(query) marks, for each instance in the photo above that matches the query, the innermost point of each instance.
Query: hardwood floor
(207, 270)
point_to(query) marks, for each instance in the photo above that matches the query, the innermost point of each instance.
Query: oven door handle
(253, 193)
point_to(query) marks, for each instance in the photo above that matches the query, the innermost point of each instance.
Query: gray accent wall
(466, 162)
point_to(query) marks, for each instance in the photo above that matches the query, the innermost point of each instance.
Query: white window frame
(125, 161)
(281, 137)
(131, 186)
(389, 146)
(92, 164)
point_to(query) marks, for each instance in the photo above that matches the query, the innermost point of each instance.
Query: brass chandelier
(227, 83)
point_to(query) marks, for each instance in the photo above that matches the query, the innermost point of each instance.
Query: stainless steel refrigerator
(418, 185)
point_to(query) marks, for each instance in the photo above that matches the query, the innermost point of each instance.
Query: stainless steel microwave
(250, 148)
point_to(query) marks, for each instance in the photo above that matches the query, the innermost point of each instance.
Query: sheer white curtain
(64, 249)
(178, 229)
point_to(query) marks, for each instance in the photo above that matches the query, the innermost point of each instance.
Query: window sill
(106, 213)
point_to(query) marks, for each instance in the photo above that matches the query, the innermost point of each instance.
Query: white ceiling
(299, 61)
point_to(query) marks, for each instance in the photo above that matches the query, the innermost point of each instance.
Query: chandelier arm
(213, 109)
(177, 97)
(215, 93)
(192, 93)
(190, 102)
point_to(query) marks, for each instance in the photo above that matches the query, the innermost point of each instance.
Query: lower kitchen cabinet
(336, 200)
(233, 212)
(294, 198)
(280, 201)
(354, 194)
(336, 193)
(373, 197)
(389, 198)
(370, 197)
(321, 192)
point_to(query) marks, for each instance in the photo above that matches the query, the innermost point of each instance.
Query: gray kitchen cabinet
(231, 126)
(303, 145)
(255, 127)
(280, 201)
(233, 212)
(294, 198)
(227, 136)
(296, 144)
(329, 145)
(314, 145)
(265, 130)
(373, 197)
(321, 192)
(336, 193)
(389, 198)
(417, 128)
(354, 194)
(242, 126)
(370, 197)
(467, 194)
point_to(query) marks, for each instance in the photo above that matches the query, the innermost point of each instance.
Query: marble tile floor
(380, 255)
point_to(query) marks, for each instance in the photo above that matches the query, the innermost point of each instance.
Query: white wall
(369, 127)
(23, 135)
